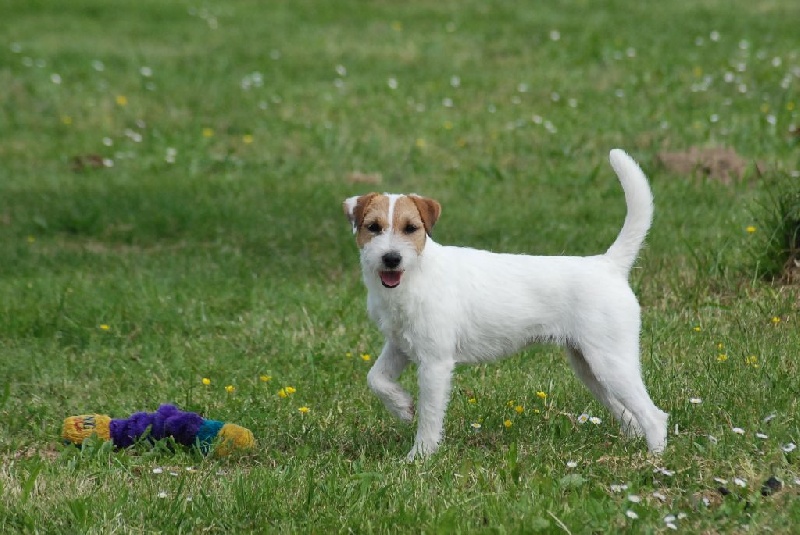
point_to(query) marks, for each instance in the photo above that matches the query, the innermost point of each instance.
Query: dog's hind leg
(626, 419)
(616, 368)
(382, 379)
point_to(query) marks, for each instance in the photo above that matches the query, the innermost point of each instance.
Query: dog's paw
(421, 451)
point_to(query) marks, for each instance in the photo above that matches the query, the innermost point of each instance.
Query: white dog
(439, 306)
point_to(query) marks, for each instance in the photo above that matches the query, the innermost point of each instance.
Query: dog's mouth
(390, 279)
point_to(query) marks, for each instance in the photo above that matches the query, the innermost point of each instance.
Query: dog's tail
(639, 198)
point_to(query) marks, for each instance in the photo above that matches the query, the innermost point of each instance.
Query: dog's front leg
(434, 394)
(382, 379)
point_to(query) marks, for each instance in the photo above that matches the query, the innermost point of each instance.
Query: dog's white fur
(459, 305)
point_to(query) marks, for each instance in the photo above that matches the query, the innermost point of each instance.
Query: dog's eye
(410, 228)
(374, 227)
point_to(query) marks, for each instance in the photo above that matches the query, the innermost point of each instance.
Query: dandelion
(595, 420)
(508, 423)
(511, 403)
(789, 448)
(738, 430)
(122, 100)
(348, 355)
(420, 143)
(541, 395)
(472, 400)
(775, 320)
(583, 418)
(247, 139)
(265, 378)
(304, 410)
(365, 357)
(290, 390)
(695, 401)
(520, 409)
(31, 239)
(104, 327)
(66, 120)
(282, 393)
(751, 360)
(632, 515)
(208, 132)
(206, 381)
(697, 328)
(722, 357)
(230, 389)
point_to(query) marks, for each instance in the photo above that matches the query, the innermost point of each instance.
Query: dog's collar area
(390, 279)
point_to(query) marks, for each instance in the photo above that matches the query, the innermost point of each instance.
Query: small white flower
(555, 35)
(107, 141)
(728, 77)
(744, 45)
(55, 78)
(789, 448)
(768, 418)
(189, 498)
(595, 420)
(632, 515)
(583, 418)
(555, 97)
(341, 70)
(145, 71)
(665, 472)
(522, 88)
(108, 162)
(671, 526)
(721, 481)
(98, 65)
(162, 494)
(635, 498)
(537, 119)
(619, 93)
(696, 401)
(171, 154)
(275, 54)
(158, 470)
(447, 102)
(797, 481)
(681, 516)
(706, 501)
(659, 496)
(776, 61)
(475, 425)
(572, 103)
(572, 464)
(455, 81)
(738, 430)
(714, 118)
(761, 436)
(771, 119)
(16, 48)
(618, 488)
(392, 83)
(712, 439)
(631, 52)
(669, 518)
(739, 482)
(714, 36)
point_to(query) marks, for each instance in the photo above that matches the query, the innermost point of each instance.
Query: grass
(174, 172)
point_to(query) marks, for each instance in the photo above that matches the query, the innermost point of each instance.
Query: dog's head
(391, 231)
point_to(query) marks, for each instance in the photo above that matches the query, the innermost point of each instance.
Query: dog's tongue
(390, 279)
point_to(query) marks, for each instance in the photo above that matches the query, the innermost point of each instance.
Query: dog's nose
(392, 259)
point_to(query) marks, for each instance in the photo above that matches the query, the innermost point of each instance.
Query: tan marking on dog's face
(407, 222)
(372, 219)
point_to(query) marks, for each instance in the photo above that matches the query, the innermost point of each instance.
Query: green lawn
(171, 179)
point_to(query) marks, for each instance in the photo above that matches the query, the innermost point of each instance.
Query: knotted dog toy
(186, 428)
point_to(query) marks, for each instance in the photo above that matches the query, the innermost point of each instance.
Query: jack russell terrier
(439, 306)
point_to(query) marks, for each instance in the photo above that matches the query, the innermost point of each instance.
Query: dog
(438, 306)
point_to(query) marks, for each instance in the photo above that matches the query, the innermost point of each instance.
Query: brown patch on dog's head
(429, 211)
(409, 222)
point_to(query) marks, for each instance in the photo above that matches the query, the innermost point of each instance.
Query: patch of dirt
(717, 163)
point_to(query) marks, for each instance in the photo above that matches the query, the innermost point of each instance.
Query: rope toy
(186, 428)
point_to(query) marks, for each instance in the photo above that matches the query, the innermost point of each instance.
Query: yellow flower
(348, 354)
(265, 378)
(535, 411)
(511, 403)
(722, 357)
(206, 381)
(282, 393)
(290, 390)
(697, 328)
(764, 108)
(304, 409)
(789, 106)
(541, 395)
(104, 327)
(397, 26)
(520, 409)
(751, 360)
(775, 320)
(122, 100)
(247, 139)
(420, 143)
(472, 400)
(365, 357)
(208, 132)
(750, 229)
(31, 239)
(720, 345)
(66, 119)
(230, 389)
(448, 125)
(697, 71)
(507, 423)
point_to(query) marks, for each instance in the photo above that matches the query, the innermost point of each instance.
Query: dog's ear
(429, 211)
(354, 208)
